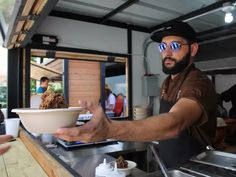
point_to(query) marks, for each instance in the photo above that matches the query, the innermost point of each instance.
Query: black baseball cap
(177, 28)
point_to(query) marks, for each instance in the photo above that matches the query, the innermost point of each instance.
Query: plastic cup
(12, 126)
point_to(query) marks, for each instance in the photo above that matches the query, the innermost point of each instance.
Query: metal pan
(171, 173)
(217, 158)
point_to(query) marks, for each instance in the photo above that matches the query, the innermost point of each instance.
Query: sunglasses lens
(162, 46)
(175, 46)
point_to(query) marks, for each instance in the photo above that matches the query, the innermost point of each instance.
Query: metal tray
(171, 173)
(217, 158)
(206, 170)
(178, 173)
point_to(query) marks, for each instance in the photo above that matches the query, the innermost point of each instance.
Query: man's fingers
(87, 105)
(82, 104)
(65, 137)
(68, 131)
(4, 148)
(83, 139)
(74, 134)
(5, 138)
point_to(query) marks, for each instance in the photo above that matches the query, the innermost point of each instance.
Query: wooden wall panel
(84, 81)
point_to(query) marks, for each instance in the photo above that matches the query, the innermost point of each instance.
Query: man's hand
(94, 130)
(3, 139)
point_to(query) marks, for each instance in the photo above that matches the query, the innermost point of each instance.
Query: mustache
(169, 58)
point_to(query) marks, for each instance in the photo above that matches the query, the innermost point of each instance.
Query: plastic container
(116, 173)
(103, 169)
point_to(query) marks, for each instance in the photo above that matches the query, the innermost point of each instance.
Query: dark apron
(177, 151)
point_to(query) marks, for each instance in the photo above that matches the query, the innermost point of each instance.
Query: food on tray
(121, 162)
(52, 100)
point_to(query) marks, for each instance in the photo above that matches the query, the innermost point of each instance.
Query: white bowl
(131, 166)
(47, 120)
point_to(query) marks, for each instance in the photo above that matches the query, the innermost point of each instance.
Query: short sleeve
(40, 90)
(112, 99)
(200, 89)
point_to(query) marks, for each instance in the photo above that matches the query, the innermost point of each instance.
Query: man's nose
(167, 52)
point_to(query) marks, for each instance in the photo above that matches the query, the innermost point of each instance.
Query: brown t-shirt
(195, 85)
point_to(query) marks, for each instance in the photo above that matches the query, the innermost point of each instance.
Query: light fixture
(228, 17)
(228, 7)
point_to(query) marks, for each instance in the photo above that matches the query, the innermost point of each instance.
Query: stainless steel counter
(119, 148)
(84, 160)
(85, 165)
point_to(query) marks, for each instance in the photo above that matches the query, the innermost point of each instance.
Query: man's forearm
(159, 127)
(168, 125)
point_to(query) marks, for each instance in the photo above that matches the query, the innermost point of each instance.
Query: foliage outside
(53, 86)
(3, 96)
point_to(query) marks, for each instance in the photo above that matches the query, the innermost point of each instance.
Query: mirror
(101, 79)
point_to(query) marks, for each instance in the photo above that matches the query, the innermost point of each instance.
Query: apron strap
(201, 136)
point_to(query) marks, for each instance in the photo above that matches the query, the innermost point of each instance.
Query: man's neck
(174, 76)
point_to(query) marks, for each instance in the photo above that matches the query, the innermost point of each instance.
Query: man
(4, 139)
(187, 119)
(43, 85)
(110, 99)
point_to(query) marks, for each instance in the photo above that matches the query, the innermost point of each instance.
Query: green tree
(34, 59)
(33, 86)
(56, 87)
(3, 96)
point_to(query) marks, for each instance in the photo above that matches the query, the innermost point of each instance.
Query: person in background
(230, 95)
(4, 139)
(110, 99)
(43, 85)
(187, 120)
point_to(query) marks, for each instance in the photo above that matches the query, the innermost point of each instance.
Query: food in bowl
(123, 165)
(121, 162)
(47, 120)
(52, 100)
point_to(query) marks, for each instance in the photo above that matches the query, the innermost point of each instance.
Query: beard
(178, 66)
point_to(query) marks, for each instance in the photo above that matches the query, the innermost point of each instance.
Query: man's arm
(168, 125)
(182, 115)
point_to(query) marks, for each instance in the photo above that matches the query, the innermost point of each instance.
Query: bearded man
(187, 120)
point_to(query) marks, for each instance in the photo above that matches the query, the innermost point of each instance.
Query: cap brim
(159, 35)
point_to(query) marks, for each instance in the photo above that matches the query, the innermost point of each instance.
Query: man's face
(45, 84)
(175, 61)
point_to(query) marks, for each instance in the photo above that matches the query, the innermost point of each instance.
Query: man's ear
(194, 49)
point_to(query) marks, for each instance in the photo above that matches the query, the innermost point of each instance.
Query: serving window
(83, 76)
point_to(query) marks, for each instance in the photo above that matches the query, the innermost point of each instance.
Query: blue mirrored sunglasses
(174, 46)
